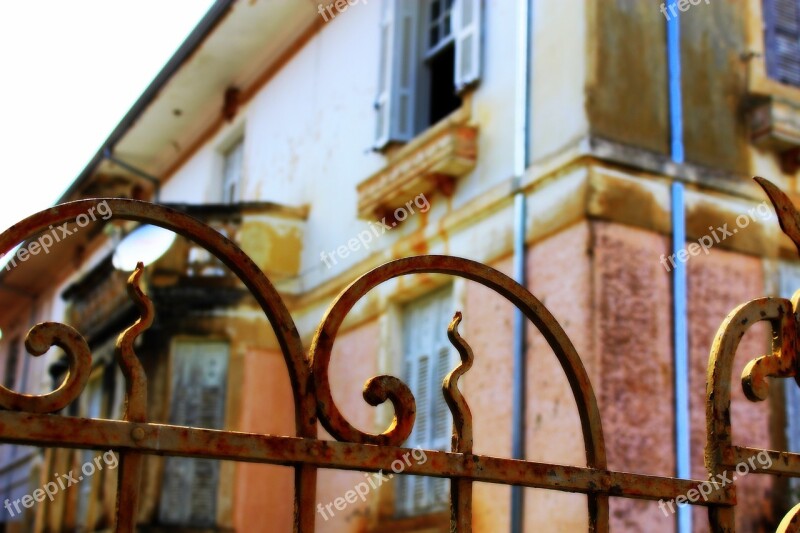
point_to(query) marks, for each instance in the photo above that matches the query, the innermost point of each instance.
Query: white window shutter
(397, 72)
(467, 20)
(189, 487)
(382, 102)
(442, 427)
(427, 360)
(442, 419)
(423, 397)
(405, 490)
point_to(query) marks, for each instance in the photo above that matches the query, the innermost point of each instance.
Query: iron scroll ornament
(358, 450)
(78, 353)
(783, 317)
(308, 376)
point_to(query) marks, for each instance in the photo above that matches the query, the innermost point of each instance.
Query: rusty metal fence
(31, 419)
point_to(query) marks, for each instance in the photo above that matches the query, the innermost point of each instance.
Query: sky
(69, 71)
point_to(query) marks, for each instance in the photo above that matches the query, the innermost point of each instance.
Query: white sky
(69, 71)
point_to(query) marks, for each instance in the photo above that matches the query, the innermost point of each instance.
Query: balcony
(434, 161)
(187, 277)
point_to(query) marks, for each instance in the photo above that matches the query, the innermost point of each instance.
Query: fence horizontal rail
(783, 463)
(162, 439)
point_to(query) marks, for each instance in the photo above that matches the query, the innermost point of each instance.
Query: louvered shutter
(189, 491)
(92, 400)
(397, 72)
(442, 426)
(428, 359)
(467, 20)
(782, 36)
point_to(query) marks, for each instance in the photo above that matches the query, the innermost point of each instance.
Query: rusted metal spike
(462, 416)
(460, 489)
(130, 471)
(788, 216)
(135, 377)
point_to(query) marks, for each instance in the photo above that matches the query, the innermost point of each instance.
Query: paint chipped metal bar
(162, 439)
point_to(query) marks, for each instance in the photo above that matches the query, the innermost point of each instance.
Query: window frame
(759, 83)
(429, 52)
(404, 25)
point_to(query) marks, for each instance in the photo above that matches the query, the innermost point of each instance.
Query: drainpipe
(679, 293)
(521, 156)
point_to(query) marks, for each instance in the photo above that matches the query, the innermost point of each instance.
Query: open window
(430, 53)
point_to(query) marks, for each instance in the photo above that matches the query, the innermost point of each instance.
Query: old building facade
(328, 139)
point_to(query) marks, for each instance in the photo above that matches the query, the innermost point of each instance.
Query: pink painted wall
(633, 343)
(717, 283)
(559, 274)
(354, 360)
(264, 493)
(487, 390)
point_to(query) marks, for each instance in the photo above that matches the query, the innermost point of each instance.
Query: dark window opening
(443, 97)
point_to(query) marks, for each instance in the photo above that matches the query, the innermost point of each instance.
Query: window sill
(434, 160)
(775, 124)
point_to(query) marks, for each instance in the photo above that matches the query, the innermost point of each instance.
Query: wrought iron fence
(30, 419)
